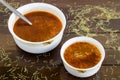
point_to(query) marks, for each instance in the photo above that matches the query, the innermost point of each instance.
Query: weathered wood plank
(57, 73)
(8, 44)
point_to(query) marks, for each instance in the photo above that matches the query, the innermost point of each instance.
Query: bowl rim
(80, 38)
(37, 3)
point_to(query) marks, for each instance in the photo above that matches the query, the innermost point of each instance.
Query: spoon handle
(15, 11)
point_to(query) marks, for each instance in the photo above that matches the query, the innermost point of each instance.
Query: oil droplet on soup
(44, 26)
(82, 55)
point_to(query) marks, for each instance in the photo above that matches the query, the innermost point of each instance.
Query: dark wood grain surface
(93, 18)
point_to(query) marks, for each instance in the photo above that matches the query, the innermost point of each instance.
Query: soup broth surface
(82, 55)
(44, 26)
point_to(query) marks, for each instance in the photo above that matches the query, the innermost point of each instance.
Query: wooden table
(93, 18)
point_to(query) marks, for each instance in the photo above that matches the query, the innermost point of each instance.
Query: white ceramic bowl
(37, 47)
(78, 72)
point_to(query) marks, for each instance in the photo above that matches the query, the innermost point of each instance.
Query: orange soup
(44, 26)
(82, 55)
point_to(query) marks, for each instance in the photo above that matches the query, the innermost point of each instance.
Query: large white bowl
(37, 47)
(78, 71)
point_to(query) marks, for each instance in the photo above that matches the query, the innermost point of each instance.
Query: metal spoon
(15, 11)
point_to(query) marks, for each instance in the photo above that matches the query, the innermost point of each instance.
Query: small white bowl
(37, 47)
(78, 72)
